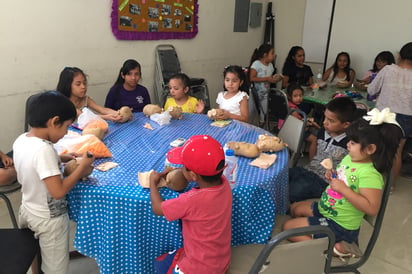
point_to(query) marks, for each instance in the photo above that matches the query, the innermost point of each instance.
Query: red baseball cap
(201, 154)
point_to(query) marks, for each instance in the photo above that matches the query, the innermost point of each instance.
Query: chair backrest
(376, 224)
(292, 133)
(4, 190)
(198, 89)
(277, 104)
(18, 249)
(312, 256)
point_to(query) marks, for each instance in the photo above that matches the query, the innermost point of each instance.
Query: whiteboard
(315, 29)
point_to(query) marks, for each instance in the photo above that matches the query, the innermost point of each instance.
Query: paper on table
(106, 166)
(220, 123)
(264, 160)
(144, 179)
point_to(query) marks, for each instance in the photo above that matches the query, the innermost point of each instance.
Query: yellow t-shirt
(188, 107)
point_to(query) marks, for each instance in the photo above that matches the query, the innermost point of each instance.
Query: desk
(115, 223)
(324, 95)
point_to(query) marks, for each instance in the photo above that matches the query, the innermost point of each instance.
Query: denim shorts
(341, 234)
(405, 121)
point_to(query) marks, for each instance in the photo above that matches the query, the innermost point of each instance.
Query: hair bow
(376, 117)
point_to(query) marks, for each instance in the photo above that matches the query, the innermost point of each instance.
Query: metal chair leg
(10, 209)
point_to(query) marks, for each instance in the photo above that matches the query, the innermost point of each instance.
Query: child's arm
(271, 79)
(244, 112)
(7, 161)
(325, 76)
(59, 187)
(105, 113)
(368, 200)
(155, 196)
(200, 106)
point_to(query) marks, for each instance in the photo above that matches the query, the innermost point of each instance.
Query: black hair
(291, 88)
(47, 105)
(385, 137)
(343, 107)
(384, 56)
(406, 52)
(347, 69)
(213, 178)
(66, 79)
(258, 53)
(182, 77)
(289, 61)
(240, 74)
(127, 66)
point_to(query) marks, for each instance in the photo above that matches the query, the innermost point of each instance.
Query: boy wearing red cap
(205, 211)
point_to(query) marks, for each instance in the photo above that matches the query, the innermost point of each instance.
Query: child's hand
(156, 176)
(200, 106)
(338, 185)
(328, 175)
(275, 78)
(68, 156)
(86, 160)
(7, 161)
(223, 114)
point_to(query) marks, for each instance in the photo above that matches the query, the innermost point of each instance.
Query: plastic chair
(278, 256)
(292, 133)
(375, 223)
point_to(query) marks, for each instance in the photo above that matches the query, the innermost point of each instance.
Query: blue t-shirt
(135, 99)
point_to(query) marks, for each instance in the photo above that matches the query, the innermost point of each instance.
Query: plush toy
(244, 149)
(266, 143)
(71, 165)
(150, 109)
(214, 113)
(175, 180)
(98, 132)
(126, 112)
(175, 112)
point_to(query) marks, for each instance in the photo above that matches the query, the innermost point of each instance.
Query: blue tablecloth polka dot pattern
(115, 223)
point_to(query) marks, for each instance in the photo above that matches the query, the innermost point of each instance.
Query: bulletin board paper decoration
(154, 19)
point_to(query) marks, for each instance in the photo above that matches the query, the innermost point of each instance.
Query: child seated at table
(205, 211)
(355, 187)
(340, 73)
(7, 170)
(178, 88)
(234, 100)
(127, 91)
(308, 182)
(73, 84)
(44, 206)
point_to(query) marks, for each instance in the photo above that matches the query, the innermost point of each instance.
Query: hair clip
(376, 117)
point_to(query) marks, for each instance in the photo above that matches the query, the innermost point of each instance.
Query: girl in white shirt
(234, 101)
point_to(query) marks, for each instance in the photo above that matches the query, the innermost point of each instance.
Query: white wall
(39, 38)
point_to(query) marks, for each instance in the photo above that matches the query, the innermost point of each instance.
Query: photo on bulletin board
(154, 19)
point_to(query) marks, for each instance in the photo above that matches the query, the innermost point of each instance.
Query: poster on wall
(154, 19)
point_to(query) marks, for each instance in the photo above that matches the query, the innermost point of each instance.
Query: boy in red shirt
(205, 211)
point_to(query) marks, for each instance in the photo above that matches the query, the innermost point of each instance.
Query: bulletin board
(154, 19)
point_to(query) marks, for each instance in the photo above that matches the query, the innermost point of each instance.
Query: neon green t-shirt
(334, 206)
(188, 107)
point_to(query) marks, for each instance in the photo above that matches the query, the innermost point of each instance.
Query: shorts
(341, 234)
(405, 121)
(167, 263)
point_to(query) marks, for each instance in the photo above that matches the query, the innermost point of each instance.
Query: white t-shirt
(262, 71)
(35, 159)
(232, 104)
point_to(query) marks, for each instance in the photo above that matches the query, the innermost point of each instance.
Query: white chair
(292, 133)
(281, 256)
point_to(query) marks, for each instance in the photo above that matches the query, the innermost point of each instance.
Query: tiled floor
(392, 253)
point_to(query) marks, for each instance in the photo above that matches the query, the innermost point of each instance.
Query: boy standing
(309, 181)
(205, 211)
(44, 206)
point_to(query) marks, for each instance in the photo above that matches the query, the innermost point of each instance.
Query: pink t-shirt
(206, 215)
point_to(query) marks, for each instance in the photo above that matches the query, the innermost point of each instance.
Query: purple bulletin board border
(137, 35)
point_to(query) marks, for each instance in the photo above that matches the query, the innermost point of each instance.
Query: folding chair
(373, 223)
(281, 256)
(292, 133)
(277, 107)
(4, 190)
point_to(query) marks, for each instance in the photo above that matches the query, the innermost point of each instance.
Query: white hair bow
(376, 117)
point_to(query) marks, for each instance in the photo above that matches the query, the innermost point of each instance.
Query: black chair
(281, 256)
(18, 247)
(4, 190)
(277, 107)
(375, 222)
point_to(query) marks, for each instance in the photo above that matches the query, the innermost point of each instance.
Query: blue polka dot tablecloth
(115, 223)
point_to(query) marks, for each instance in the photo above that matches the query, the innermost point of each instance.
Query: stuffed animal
(175, 112)
(175, 180)
(244, 149)
(98, 132)
(126, 113)
(266, 143)
(150, 109)
(214, 113)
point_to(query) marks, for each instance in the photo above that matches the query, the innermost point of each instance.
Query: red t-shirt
(206, 215)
